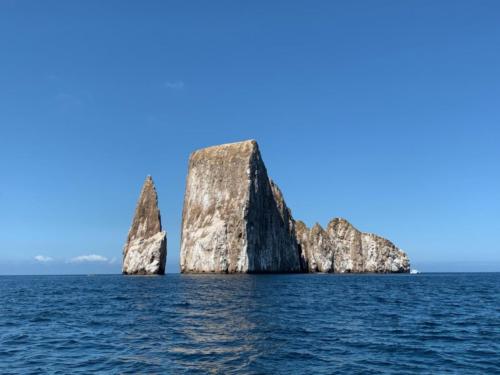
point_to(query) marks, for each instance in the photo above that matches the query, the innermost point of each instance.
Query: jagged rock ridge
(316, 248)
(145, 251)
(343, 249)
(234, 218)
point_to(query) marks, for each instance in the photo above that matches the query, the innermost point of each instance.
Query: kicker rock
(355, 251)
(316, 248)
(234, 218)
(145, 251)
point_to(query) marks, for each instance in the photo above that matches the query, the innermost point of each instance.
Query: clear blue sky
(386, 113)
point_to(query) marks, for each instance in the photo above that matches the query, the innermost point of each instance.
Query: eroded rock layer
(145, 251)
(234, 218)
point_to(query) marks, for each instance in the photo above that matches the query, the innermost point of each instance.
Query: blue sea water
(255, 324)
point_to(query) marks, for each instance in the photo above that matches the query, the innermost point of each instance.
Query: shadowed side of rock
(272, 246)
(302, 236)
(234, 219)
(145, 250)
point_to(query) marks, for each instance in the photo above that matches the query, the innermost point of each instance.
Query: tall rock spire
(145, 251)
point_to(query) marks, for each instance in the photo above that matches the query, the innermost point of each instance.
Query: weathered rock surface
(145, 251)
(234, 218)
(316, 248)
(347, 243)
(364, 252)
(343, 249)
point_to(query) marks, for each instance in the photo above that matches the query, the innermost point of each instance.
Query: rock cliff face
(234, 218)
(316, 248)
(347, 243)
(343, 249)
(145, 251)
(364, 252)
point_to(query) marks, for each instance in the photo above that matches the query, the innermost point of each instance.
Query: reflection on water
(250, 323)
(216, 327)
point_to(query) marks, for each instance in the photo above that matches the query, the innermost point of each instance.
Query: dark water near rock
(428, 323)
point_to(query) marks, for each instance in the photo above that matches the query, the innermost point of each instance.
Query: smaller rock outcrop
(347, 243)
(341, 248)
(145, 251)
(356, 251)
(316, 248)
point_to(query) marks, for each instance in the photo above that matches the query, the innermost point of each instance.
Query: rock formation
(347, 243)
(364, 252)
(145, 251)
(234, 218)
(316, 248)
(343, 249)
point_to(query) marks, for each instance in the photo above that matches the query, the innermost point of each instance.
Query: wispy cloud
(112, 260)
(174, 85)
(43, 259)
(88, 258)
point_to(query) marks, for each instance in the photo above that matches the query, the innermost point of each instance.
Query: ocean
(250, 324)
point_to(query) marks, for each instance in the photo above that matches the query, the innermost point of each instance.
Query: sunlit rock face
(234, 218)
(145, 251)
(356, 251)
(347, 244)
(382, 255)
(316, 248)
(344, 249)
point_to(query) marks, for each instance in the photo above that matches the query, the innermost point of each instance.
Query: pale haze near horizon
(384, 113)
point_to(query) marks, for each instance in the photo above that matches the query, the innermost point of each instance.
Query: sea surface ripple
(250, 324)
